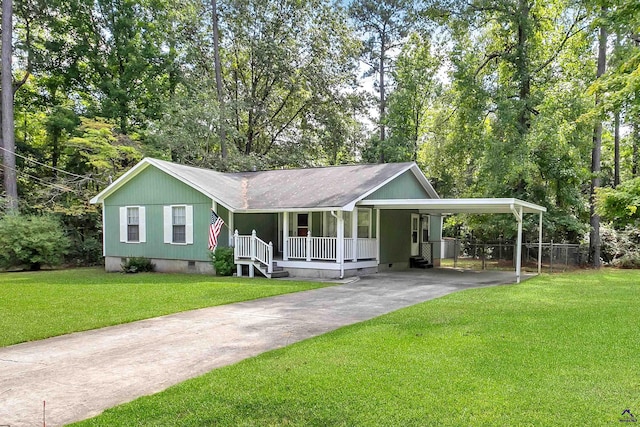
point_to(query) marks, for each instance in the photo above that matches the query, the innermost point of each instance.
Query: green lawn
(36, 305)
(556, 350)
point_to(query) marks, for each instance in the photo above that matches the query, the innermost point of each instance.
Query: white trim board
(452, 206)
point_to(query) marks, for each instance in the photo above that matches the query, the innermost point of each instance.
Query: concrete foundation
(114, 264)
(395, 266)
(316, 273)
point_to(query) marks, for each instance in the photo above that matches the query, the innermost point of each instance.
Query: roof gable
(324, 188)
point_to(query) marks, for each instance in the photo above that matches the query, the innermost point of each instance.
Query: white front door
(415, 237)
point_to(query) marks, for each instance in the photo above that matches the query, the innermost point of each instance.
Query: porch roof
(452, 206)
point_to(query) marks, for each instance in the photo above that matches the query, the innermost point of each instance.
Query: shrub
(86, 252)
(138, 265)
(620, 248)
(31, 241)
(222, 260)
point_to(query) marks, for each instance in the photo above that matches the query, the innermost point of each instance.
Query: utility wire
(48, 184)
(45, 165)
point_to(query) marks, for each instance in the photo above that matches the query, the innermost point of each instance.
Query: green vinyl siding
(395, 236)
(435, 233)
(265, 224)
(223, 238)
(406, 186)
(316, 224)
(154, 189)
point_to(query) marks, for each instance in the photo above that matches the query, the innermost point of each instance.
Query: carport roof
(452, 206)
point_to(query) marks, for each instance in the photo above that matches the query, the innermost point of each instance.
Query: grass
(506, 265)
(555, 350)
(36, 305)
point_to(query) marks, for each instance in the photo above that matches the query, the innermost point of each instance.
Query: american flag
(214, 230)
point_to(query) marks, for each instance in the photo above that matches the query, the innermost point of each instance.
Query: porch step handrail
(253, 248)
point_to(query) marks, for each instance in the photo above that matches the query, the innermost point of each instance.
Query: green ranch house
(329, 222)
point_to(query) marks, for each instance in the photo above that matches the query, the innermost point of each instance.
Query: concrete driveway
(80, 375)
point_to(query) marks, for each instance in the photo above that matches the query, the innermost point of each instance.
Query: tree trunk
(635, 137)
(523, 67)
(382, 98)
(616, 149)
(594, 236)
(8, 136)
(218, 67)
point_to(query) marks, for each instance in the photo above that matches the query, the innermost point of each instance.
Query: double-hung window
(364, 223)
(132, 224)
(178, 224)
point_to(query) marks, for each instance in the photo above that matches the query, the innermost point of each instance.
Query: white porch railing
(254, 249)
(367, 248)
(326, 248)
(305, 248)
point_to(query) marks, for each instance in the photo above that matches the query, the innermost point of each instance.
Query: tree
(7, 123)
(416, 87)
(282, 60)
(621, 205)
(512, 121)
(594, 235)
(218, 70)
(385, 24)
(126, 51)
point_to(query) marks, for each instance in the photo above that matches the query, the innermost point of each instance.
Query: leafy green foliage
(511, 113)
(621, 204)
(138, 265)
(512, 122)
(416, 87)
(32, 241)
(223, 261)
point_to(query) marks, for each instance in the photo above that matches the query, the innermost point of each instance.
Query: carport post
(540, 244)
(518, 215)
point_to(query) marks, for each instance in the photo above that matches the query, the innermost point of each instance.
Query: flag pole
(223, 223)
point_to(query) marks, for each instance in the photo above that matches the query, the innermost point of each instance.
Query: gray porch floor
(79, 375)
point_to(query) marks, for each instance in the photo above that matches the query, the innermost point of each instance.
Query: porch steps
(277, 272)
(419, 262)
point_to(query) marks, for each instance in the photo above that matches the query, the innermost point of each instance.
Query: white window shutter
(142, 225)
(189, 225)
(123, 224)
(168, 228)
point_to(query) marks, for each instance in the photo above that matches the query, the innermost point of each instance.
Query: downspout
(341, 252)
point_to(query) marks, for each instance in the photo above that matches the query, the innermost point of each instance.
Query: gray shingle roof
(314, 188)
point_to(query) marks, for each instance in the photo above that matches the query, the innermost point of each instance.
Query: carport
(513, 206)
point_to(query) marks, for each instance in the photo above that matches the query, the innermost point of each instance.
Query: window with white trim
(330, 226)
(364, 223)
(178, 224)
(132, 224)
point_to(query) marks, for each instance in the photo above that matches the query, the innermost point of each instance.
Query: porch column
(377, 236)
(285, 236)
(540, 244)
(340, 243)
(231, 226)
(354, 233)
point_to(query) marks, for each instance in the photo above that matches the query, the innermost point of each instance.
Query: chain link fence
(460, 253)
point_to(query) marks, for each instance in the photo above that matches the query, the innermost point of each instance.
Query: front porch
(312, 256)
(308, 253)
